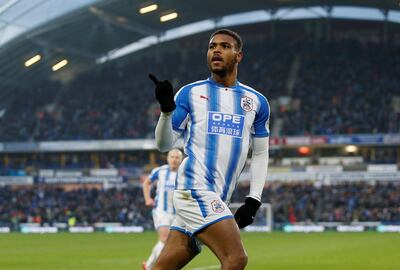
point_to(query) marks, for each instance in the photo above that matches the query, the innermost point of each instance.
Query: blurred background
(77, 110)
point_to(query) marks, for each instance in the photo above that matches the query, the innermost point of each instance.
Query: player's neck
(228, 80)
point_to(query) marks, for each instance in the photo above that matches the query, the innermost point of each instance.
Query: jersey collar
(211, 81)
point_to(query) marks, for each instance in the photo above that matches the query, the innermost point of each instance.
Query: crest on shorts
(246, 103)
(217, 206)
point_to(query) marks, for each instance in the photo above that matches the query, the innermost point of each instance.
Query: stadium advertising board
(350, 228)
(68, 173)
(20, 147)
(391, 139)
(330, 176)
(275, 141)
(367, 139)
(291, 176)
(363, 139)
(88, 229)
(356, 139)
(319, 140)
(104, 172)
(339, 228)
(388, 228)
(324, 168)
(305, 140)
(382, 168)
(362, 176)
(289, 228)
(124, 229)
(296, 141)
(46, 173)
(5, 230)
(83, 179)
(257, 229)
(16, 180)
(96, 145)
(30, 229)
(234, 130)
(303, 228)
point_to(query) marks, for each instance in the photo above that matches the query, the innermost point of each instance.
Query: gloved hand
(247, 212)
(164, 94)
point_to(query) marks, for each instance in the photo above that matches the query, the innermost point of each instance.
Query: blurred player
(163, 211)
(220, 118)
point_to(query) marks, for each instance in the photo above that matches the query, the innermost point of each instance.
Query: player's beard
(224, 70)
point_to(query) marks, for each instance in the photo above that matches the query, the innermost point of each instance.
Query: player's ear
(239, 56)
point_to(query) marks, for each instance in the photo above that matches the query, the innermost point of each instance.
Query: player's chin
(217, 70)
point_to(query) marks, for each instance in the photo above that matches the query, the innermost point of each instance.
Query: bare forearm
(146, 189)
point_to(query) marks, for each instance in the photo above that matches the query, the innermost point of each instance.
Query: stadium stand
(345, 202)
(292, 202)
(350, 94)
(50, 205)
(359, 81)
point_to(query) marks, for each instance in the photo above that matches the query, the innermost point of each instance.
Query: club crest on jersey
(217, 206)
(246, 103)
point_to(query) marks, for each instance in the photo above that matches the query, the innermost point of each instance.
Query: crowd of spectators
(342, 87)
(344, 202)
(345, 87)
(291, 202)
(48, 205)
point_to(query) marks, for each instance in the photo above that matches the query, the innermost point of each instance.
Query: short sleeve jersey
(218, 124)
(165, 188)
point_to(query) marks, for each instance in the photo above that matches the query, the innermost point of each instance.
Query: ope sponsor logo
(234, 119)
(225, 124)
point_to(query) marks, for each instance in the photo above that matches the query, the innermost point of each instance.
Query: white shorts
(197, 209)
(162, 219)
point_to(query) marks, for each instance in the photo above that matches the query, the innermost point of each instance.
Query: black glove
(247, 212)
(164, 94)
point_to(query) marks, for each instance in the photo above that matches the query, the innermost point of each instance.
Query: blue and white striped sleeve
(154, 174)
(261, 121)
(180, 115)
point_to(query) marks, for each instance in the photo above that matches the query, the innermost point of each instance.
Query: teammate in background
(163, 211)
(220, 119)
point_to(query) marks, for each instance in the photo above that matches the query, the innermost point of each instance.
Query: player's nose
(217, 49)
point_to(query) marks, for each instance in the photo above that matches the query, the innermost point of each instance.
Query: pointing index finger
(154, 79)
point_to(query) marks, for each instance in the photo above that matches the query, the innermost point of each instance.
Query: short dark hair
(231, 33)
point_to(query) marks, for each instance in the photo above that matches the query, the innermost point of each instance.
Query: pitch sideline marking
(207, 267)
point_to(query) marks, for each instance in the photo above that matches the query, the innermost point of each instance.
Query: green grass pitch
(275, 251)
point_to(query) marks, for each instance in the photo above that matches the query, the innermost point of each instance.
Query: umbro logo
(204, 97)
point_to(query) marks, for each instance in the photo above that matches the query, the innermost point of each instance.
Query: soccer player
(220, 119)
(163, 211)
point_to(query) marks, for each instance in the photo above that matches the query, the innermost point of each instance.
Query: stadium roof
(88, 32)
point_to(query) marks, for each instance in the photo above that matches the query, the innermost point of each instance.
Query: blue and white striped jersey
(165, 188)
(218, 124)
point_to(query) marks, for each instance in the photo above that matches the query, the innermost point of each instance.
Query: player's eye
(212, 46)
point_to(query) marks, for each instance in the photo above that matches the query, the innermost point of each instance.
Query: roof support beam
(7, 5)
(124, 24)
(50, 46)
